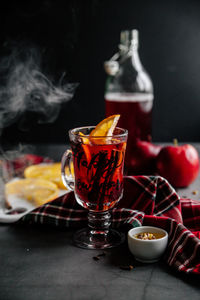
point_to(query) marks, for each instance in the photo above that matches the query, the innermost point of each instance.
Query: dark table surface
(42, 263)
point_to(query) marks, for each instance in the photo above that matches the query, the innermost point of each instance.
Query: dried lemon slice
(37, 191)
(51, 172)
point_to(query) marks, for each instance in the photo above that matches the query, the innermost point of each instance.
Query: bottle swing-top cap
(128, 38)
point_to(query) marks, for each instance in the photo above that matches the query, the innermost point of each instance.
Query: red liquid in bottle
(136, 116)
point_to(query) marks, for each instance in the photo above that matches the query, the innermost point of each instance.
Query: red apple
(178, 164)
(143, 159)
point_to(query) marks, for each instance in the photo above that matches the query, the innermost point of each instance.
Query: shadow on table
(119, 257)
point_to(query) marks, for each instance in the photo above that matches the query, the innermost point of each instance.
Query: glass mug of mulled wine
(95, 173)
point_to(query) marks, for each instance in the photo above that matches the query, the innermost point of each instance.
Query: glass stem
(99, 222)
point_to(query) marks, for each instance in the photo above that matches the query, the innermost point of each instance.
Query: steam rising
(24, 88)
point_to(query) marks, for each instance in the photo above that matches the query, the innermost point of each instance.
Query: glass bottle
(129, 92)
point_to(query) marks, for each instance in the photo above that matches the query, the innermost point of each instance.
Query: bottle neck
(131, 52)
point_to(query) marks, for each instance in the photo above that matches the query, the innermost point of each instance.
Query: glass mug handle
(66, 161)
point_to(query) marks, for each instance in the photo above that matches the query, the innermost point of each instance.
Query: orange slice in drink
(103, 129)
(37, 191)
(84, 138)
(85, 144)
(106, 127)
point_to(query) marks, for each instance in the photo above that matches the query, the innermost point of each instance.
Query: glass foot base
(147, 261)
(85, 238)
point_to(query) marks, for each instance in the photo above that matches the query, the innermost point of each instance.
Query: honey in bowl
(149, 235)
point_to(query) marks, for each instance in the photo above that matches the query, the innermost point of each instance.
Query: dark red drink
(98, 166)
(136, 116)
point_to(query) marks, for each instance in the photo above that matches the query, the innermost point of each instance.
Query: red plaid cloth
(147, 200)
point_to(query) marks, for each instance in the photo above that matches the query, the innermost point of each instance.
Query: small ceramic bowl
(147, 251)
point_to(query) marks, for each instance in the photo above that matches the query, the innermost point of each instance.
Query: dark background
(76, 37)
